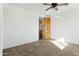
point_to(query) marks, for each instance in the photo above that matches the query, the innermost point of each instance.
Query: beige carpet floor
(42, 48)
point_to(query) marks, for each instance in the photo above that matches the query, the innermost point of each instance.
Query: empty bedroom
(41, 29)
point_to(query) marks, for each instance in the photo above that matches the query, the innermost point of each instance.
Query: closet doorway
(44, 28)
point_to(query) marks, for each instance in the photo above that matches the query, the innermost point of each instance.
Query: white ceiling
(40, 8)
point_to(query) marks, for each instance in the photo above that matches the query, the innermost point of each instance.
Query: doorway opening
(44, 28)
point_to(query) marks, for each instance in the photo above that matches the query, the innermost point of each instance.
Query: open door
(40, 29)
(44, 28)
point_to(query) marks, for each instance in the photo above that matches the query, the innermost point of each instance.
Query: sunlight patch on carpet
(60, 43)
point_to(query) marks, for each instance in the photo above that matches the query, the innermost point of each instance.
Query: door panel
(41, 36)
(47, 28)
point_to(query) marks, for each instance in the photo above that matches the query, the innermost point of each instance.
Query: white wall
(20, 25)
(0, 25)
(67, 26)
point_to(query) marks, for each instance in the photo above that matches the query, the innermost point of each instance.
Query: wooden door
(41, 35)
(47, 28)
